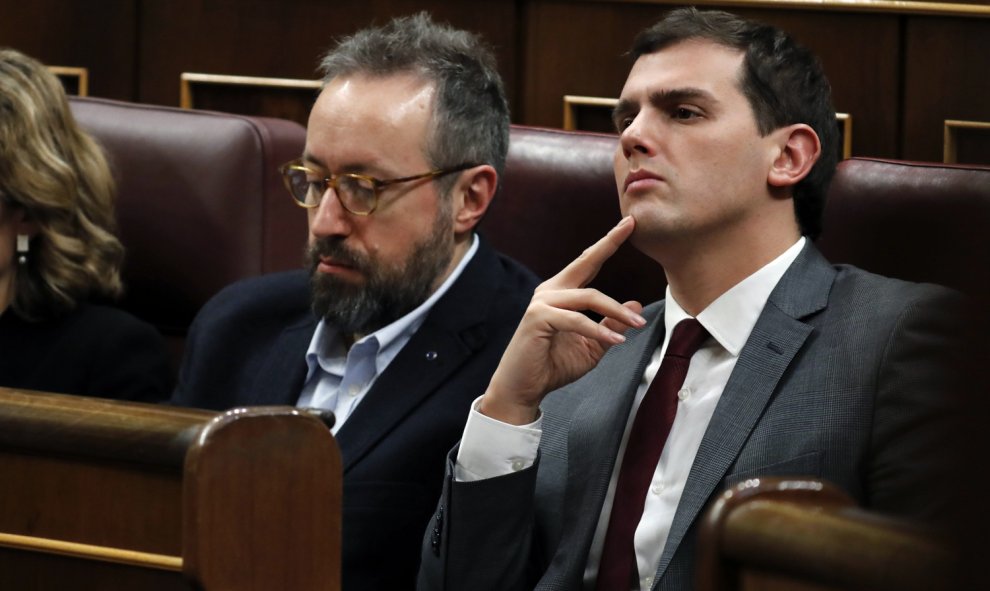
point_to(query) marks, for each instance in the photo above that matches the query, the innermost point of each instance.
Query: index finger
(583, 269)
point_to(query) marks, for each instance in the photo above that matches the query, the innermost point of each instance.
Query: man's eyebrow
(310, 159)
(320, 166)
(317, 163)
(659, 98)
(674, 95)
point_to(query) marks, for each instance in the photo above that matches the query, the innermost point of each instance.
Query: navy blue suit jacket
(247, 347)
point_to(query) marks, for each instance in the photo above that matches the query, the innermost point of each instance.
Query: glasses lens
(356, 193)
(297, 182)
(311, 189)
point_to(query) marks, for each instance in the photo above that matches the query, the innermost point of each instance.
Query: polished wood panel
(589, 113)
(49, 546)
(32, 571)
(927, 7)
(74, 80)
(285, 98)
(105, 490)
(286, 39)
(947, 76)
(255, 493)
(845, 122)
(92, 501)
(862, 68)
(965, 139)
(899, 68)
(99, 35)
(575, 49)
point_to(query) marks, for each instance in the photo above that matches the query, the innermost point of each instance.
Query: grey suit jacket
(842, 378)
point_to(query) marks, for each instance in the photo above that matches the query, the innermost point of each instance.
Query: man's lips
(330, 265)
(637, 176)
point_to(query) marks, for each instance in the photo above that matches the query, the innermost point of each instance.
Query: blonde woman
(59, 255)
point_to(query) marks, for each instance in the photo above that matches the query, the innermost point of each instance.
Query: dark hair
(782, 80)
(470, 113)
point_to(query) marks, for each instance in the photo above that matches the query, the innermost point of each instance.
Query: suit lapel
(280, 379)
(416, 373)
(595, 433)
(776, 338)
(453, 330)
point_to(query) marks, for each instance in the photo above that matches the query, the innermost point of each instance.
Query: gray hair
(470, 112)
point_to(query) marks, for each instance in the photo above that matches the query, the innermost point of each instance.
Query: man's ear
(472, 195)
(798, 148)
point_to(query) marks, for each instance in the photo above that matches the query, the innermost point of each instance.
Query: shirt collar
(732, 316)
(326, 348)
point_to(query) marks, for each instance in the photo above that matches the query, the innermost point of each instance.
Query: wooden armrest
(800, 534)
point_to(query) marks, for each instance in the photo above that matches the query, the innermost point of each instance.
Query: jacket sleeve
(480, 536)
(922, 384)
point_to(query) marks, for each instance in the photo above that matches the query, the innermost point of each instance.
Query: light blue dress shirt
(338, 379)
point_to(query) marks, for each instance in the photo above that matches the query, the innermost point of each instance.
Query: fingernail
(624, 221)
(637, 320)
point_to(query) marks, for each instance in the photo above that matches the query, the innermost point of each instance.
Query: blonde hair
(59, 177)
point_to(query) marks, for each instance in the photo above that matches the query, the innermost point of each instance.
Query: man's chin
(347, 308)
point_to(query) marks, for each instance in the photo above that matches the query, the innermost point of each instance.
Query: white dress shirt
(491, 448)
(338, 379)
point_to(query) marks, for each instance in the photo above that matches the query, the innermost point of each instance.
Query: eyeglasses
(357, 193)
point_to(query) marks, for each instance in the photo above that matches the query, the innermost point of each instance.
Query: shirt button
(646, 583)
(658, 488)
(683, 393)
(517, 465)
(353, 390)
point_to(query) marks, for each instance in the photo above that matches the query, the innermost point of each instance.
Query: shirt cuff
(491, 448)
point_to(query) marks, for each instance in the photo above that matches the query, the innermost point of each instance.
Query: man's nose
(329, 218)
(633, 140)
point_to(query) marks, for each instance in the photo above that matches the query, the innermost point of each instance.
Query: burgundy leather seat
(916, 221)
(200, 203)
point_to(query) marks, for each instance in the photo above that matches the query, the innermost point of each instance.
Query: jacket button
(435, 537)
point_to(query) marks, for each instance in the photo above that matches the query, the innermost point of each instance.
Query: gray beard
(389, 292)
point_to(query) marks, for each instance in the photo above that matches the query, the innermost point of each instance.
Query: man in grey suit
(728, 142)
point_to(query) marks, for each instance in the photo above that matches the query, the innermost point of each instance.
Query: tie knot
(686, 338)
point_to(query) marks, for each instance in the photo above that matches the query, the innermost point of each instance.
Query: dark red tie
(617, 569)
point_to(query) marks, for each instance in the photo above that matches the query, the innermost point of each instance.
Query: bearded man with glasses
(405, 311)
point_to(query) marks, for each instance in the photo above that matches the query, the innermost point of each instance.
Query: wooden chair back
(101, 494)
